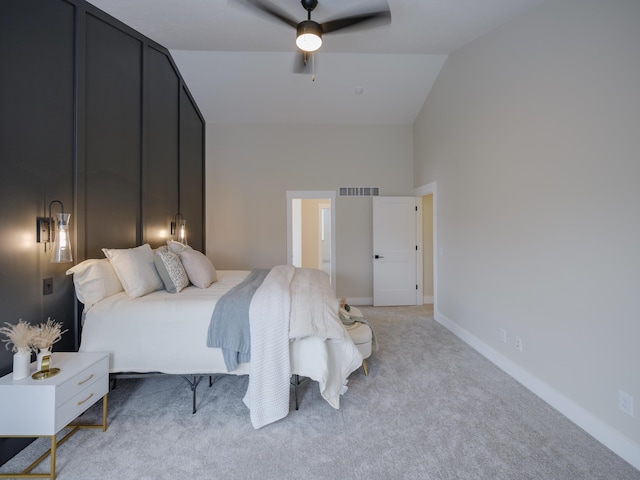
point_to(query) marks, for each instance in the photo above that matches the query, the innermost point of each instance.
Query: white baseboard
(360, 301)
(605, 434)
(369, 301)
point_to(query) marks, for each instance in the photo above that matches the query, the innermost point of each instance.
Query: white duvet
(167, 333)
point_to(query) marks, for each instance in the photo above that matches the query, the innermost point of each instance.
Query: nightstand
(41, 408)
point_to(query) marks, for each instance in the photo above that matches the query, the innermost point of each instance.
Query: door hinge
(416, 208)
(416, 287)
(416, 248)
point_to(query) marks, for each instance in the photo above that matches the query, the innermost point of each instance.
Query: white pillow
(177, 247)
(199, 268)
(136, 269)
(94, 280)
(171, 271)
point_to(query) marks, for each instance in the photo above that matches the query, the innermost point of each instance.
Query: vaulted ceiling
(238, 62)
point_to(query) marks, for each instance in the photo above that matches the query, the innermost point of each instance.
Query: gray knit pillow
(171, 271)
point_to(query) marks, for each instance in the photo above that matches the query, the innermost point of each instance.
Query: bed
(293, 314)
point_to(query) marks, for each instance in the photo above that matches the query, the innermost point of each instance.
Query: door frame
(313, 194)
(321, 207)
(421, 191)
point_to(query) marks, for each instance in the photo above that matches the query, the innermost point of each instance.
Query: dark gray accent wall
(36, 153)
(95, 115)
(113, 139)
(36, 161)
(161, 171)
(191, 150)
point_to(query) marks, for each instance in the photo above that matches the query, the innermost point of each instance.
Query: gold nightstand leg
(102, 426)
(52, 471)
(52, 451)
(104, 413)
(26, 472)
(365, 367)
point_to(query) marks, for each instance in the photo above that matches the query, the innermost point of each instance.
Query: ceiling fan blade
(300, 62)
(272, 10)
(304, 62)
(381, 17)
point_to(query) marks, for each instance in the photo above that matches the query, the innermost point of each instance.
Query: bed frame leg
(193, 383)
(193, 391)
(296, 382)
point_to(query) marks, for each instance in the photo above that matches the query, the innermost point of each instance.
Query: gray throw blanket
(229, 327)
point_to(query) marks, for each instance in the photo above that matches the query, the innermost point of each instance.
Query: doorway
(311, 231)
(324, 251)
(428, 260)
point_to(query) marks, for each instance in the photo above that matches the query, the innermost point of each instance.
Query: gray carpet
(432, 408)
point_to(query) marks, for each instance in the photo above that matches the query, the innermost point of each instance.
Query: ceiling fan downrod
(309, 6)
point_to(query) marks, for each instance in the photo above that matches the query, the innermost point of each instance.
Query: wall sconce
(179, 229)
(61, 252)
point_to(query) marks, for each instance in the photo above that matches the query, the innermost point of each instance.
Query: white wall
(532, 134)
(250, 168)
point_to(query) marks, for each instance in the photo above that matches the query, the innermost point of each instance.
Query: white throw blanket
(314, 306)
(294, 303)
(268, 393)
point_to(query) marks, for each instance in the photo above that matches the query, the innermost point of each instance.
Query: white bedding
(159, 332)
(167, 333)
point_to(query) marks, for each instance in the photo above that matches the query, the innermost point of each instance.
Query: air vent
(359, 191)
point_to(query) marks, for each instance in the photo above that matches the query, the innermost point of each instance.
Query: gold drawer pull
(86, 379)
(81, 402)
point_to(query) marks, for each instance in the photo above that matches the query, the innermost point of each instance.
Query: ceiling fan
(309, 32)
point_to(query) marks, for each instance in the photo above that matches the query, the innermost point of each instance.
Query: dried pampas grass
(21, 336)
(46, 334)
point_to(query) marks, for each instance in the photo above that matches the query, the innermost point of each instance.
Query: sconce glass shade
(62, 241)
(309, 36)
(181, 231)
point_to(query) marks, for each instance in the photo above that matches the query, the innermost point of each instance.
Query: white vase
(43, 352)
(21, 364)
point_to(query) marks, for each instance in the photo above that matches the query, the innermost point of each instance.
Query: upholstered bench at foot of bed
(361, 335)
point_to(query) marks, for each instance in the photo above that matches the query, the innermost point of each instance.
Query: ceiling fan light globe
(309, 36)
(308, 42)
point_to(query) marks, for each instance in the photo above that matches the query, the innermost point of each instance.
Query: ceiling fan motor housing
(309, 5)
(309, 36)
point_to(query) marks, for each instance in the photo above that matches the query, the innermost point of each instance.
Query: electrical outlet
(503, 335)
(518, 344)
(625, 402)
(47, 286)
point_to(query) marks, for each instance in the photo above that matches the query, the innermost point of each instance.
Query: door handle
(378, 256)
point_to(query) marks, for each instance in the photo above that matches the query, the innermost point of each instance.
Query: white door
(394, 251)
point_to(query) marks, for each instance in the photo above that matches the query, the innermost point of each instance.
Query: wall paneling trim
(95, 115)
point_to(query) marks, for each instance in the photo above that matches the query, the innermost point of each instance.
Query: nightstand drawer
(78, 383)
(93, 392)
